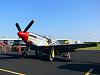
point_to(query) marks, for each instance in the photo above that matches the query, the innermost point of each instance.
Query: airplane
(42, 44)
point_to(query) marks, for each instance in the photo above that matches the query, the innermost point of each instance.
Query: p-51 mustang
(41, 44)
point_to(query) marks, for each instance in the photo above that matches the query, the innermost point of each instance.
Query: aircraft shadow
(42, 58)
(10, 56)
(83, 67)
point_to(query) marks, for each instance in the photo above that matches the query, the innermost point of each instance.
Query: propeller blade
(29, 25)
(18, 27)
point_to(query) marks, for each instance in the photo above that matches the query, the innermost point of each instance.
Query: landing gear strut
(24, 54)
(38, 52)
(52, 54)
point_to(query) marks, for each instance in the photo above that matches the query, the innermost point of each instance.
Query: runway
(81, 63)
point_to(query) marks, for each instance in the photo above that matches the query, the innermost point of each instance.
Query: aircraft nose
(23, 35)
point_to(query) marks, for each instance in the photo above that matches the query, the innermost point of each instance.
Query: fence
(5, 48)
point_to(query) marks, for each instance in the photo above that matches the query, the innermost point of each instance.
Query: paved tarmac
(81, 63)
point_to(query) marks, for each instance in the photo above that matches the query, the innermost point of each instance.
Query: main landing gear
(52, 54)
(37, 52)
(24, 54)
(67, 55)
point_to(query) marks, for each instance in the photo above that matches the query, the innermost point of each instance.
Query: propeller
(29, 25)
(18, 27)
(24, 36)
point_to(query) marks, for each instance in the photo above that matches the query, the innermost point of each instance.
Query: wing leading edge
(65, 48)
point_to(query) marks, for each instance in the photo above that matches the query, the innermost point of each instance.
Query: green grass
(90, 48)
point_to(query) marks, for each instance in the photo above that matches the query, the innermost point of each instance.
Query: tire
(24, 54)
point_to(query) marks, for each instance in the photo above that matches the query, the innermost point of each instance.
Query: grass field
(90, 48)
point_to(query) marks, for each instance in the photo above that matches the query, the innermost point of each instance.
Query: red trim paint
(23, 35)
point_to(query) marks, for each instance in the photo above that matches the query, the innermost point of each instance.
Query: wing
(65, 48)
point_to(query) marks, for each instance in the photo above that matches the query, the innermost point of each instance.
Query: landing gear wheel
(50, 59)
(67, 56)
(24, 54)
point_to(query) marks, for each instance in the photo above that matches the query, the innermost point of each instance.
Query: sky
(61, 19)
